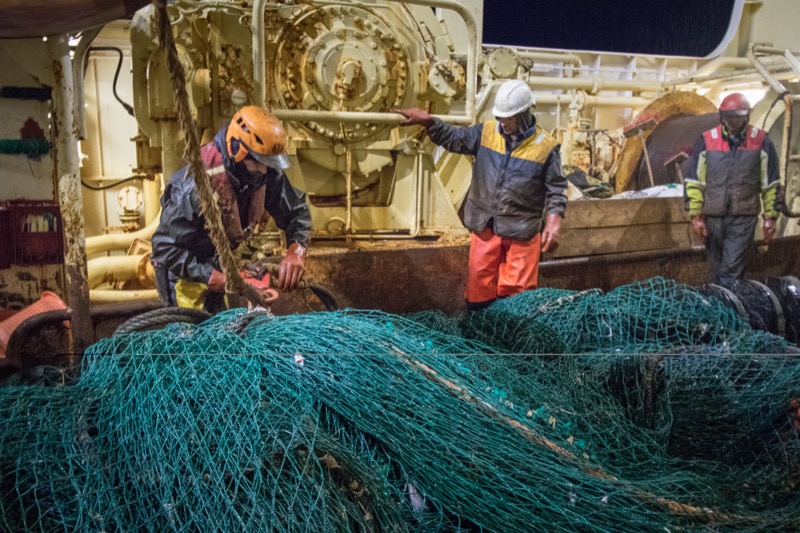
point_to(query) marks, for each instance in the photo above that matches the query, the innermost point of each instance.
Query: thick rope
(208, 205)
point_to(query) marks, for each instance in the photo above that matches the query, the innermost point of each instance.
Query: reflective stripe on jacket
(515, 187)
(723, 181)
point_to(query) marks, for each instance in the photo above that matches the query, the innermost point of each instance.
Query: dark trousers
(730, 237)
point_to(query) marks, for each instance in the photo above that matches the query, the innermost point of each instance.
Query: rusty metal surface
(395, 280)
(675, 135)
(671, 104)
(596, 227)
(433, 277)
(69, 192)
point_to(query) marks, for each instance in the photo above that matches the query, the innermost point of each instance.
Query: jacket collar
(518, 139)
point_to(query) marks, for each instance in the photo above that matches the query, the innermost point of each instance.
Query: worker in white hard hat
(517, 196)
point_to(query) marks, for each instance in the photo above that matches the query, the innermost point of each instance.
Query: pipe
(152, 198)
(569, 59)
(259, 55)
(121, 268)
(484, 96)
(102, 296)
(588, 100)
(305, 115)
(348, 183)
(120, 241)
(418, 193)
(69, 191)
(792, 60)
(594, 85)
(259, 71)
(714, 65)
(78, 60)
(623, 257)
(118, 268)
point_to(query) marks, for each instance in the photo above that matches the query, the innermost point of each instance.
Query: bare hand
(699, 227)
(550, 233)
(415, 117)
(769, 229)
(292, 268)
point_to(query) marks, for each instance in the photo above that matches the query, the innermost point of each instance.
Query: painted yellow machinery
(384, 200)
(332, 72)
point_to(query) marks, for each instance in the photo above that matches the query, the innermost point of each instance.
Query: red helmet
(735, 104)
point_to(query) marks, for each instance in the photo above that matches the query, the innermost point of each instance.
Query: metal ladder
(790, 159)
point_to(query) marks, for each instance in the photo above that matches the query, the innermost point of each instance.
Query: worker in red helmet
(733, 176)
(517, 196)
(245, 164)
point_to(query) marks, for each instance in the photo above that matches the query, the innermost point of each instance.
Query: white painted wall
(108, 152)
(24, 63)
(776, 23)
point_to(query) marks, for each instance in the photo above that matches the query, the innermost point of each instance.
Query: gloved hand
(262, 284)
(550, 233)
(769, 229)
(217, 281)
(699, 227)
(292, 268)
(415, 117)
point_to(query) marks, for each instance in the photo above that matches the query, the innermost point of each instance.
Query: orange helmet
(256, 132)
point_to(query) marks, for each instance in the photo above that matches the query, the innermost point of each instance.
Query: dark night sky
(670, 27)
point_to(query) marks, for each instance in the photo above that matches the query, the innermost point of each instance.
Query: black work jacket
(182, 245)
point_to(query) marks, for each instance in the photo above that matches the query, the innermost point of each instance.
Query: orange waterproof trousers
(500, 266)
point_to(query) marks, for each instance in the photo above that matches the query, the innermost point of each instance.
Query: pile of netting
(366, 421)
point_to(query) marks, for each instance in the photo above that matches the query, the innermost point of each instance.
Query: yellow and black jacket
(515, 187)
(727, 176)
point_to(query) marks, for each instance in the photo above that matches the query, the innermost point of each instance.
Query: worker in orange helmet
(245, 164)
(517, 196)
(733, 176)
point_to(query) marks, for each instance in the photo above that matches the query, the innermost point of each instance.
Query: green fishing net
(548, 411)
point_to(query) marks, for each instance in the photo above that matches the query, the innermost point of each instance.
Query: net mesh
(366, 421)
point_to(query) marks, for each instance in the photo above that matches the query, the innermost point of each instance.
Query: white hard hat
(513, 97)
